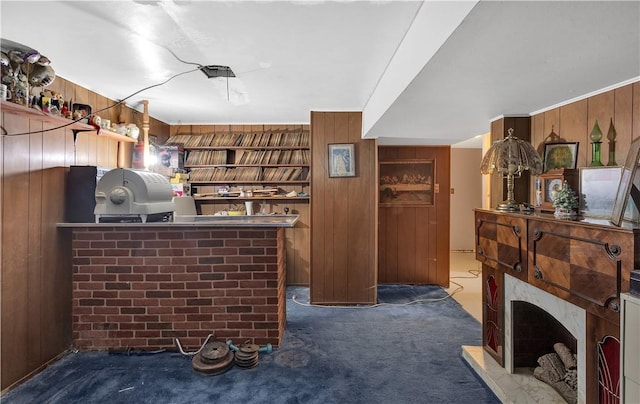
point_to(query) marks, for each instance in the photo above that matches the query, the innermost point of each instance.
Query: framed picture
(560, 155)
(408, 182)
(598, 186)
(626, 185)
(342, 160)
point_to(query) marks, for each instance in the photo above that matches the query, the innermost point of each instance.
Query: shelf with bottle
(76, 126)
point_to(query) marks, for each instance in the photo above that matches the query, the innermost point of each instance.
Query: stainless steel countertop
(206, 221)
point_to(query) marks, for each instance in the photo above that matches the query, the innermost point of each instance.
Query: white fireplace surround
(572, 317)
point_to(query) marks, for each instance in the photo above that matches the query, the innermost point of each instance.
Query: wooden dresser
(586, 262)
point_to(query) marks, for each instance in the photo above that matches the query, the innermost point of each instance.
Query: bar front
(143, 286)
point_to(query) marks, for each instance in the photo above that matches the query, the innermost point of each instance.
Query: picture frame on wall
(407, 183)
(560, 155)
(342, 160)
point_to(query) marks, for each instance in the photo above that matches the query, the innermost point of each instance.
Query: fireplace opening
(542, 343)
(534, 334)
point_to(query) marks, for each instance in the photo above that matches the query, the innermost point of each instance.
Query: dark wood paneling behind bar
(34, 254)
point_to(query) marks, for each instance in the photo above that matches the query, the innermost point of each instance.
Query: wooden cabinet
(586, 263)
(501, 246)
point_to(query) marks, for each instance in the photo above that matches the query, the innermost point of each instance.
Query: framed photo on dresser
(629, 186)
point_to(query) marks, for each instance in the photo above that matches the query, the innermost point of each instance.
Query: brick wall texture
(137, 287)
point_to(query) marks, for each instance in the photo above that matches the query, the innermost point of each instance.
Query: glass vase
(595, 154)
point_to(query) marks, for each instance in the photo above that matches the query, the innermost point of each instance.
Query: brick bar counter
(144, 285)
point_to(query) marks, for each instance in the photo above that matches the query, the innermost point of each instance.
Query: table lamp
(510, 157)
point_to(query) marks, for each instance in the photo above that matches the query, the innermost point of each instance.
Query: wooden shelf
(248, 182)
(246, 148)
(32, 113)
(247, 166)
(252, 198)
(244, 165)
(108, 133)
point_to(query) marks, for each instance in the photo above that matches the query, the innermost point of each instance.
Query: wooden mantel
(586, 262)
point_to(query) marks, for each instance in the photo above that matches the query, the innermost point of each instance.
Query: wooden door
(413, 231)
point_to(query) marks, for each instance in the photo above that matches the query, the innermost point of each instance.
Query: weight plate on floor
(221, 366)
(246, 358)
(246, 361)
(214, 351)
(246, 355)
(247, 364)
(249, 348)
(250, 366)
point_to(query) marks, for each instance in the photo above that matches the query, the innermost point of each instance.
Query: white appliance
(127, 195)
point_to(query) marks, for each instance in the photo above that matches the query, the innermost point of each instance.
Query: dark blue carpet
(400, 353)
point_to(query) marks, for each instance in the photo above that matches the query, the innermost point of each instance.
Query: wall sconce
(510, 157)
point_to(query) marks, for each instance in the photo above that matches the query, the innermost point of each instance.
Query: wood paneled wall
(414, 240)
(343, 215)
(521, 126)
(34, 253)
(297, 238)
(573, 123)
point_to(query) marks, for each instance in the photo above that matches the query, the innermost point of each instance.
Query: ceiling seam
(393, 56)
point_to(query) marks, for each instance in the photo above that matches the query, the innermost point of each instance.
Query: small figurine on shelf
(66, 111)
(566, 202)
(46, 103)
(95, 121)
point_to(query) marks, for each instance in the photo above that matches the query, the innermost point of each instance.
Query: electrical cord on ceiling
(200, 67)
(106, 108)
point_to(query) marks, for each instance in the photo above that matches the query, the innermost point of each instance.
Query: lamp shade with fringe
(510, 157)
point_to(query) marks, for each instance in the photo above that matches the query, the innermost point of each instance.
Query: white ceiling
(422, 72)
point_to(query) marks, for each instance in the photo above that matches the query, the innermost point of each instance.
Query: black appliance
(81, 193)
